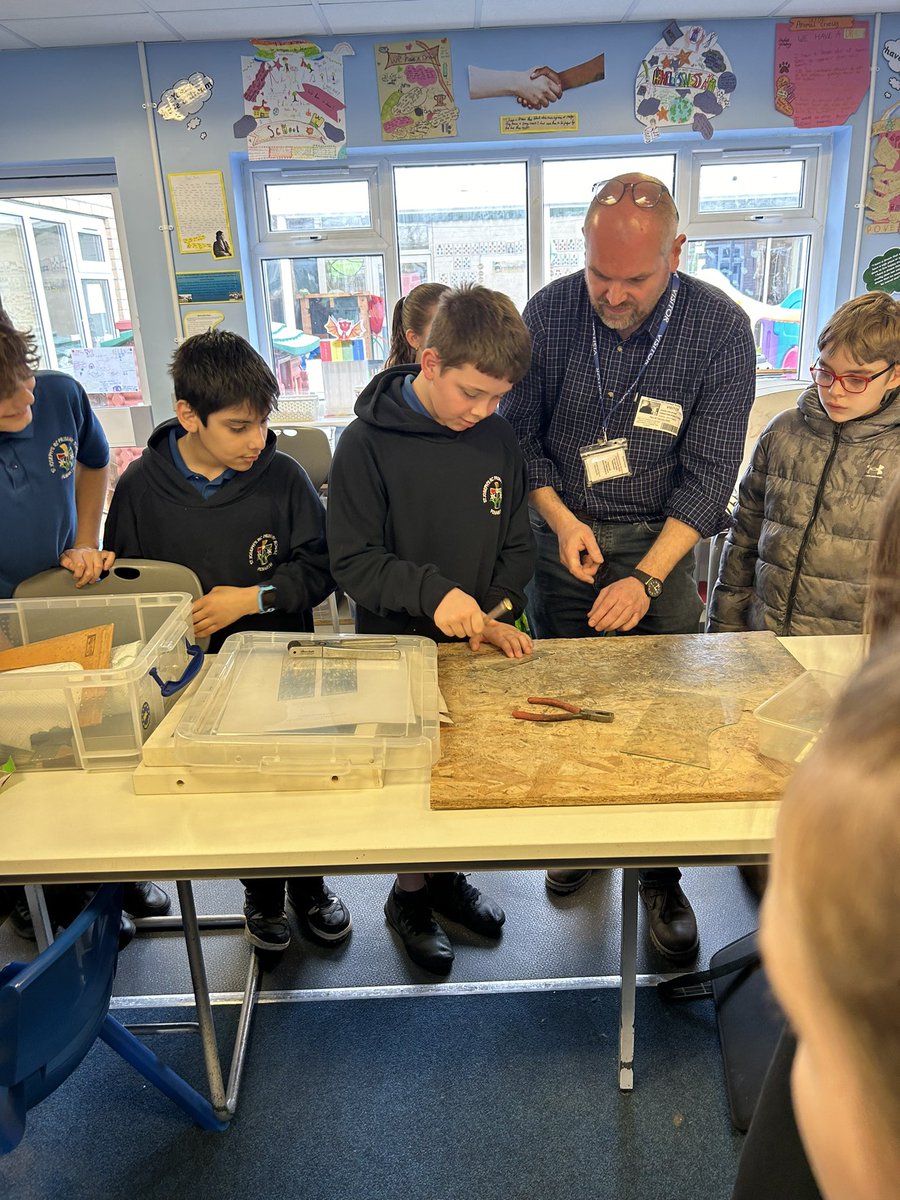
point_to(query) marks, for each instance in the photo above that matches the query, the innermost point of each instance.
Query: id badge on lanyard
(605, 460)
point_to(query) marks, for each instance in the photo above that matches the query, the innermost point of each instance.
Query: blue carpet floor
(486, 1097)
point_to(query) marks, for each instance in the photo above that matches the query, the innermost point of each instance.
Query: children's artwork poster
(106, 369)
(821, 69)
(184, 99)
(685, 81)
(415, 90)
(294, 93)
(201, 212)
(201, 320)
(209, 287)
(883, 194)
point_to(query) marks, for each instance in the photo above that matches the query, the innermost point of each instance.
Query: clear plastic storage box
(791, 720)
(314, 712)
(64, 715)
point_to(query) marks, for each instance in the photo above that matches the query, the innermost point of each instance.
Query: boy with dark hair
(211, 492)
(428, 529)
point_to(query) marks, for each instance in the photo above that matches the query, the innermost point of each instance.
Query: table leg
(628, 974)
(40, 918)
(201, 998)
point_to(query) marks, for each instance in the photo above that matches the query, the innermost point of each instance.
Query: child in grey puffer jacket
(797, 555)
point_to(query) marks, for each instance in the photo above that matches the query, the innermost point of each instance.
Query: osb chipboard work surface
(687, 698)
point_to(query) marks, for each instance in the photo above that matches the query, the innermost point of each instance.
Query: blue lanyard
(660, 334)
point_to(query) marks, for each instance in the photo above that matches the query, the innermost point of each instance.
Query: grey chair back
(309, 447)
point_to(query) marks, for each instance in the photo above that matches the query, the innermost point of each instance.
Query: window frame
(378, 168)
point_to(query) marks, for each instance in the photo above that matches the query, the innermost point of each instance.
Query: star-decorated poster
(686, 80)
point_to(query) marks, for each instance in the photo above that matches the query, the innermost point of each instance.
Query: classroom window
(463, 223)
(326, 330)
(62, 277)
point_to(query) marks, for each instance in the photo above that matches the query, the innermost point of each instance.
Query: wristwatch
(652, 586)
(267, 598)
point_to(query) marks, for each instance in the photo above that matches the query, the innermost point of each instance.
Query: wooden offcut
(91, 648)
(669, 696)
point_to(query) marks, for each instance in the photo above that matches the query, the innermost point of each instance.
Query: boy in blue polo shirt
(211, 492)
(53, 468)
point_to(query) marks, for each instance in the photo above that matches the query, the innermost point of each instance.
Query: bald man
(632, 422)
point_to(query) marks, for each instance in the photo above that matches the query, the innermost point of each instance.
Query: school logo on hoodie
(62, 456)
(492, 494)
(263, 550)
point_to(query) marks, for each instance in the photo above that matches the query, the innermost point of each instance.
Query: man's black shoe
(409, 915)
(145, 900)
(670, 921)
(323, 916)
(455, 898)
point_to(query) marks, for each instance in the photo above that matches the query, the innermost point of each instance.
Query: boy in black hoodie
(211, 492)
(428, 529)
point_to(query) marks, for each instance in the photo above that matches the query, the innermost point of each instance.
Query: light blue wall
(61, 105)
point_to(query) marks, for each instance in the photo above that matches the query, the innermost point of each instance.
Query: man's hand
(620, 605)
(221, 607)
(459, 615)
(507, 638)
(578, 550)
(86, 563)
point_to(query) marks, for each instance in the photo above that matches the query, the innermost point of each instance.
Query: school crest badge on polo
(61, 458)
(263, 550)
(492, 495)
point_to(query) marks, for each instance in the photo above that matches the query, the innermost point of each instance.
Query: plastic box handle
(195, 662)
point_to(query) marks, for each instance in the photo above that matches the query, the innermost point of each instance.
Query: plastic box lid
(791, 720)
(316, 711)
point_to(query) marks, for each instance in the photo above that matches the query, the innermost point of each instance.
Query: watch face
(653, 588)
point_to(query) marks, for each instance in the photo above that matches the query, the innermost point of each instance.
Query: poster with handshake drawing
(685, 81)
(415, 90)
(535, 88)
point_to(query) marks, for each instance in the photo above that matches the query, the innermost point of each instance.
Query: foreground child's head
(411, 323)
(477, 348)
(224, 396)
(829, 937)
(859, 357)
(18, 362)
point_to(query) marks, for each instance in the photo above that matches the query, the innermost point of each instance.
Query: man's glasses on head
(853, 384)
(645, 193)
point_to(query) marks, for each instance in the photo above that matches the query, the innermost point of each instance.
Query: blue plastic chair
(53, 1009)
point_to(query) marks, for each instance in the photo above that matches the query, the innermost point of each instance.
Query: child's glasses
(853, 384)
(646, 193)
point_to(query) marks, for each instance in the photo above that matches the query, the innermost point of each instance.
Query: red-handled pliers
(571, 712)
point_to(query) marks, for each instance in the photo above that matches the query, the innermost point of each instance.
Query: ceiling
(104, 22)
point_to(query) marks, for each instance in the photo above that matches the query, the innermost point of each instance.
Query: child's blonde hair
(473, 325)
(841, 838)
(866, 327)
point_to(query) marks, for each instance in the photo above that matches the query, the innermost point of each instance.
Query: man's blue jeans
(558, 605)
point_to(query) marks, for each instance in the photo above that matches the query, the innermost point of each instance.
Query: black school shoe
(145, 899)
(409, 915)
(266, 931)
(454, 897)
(323, 916)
